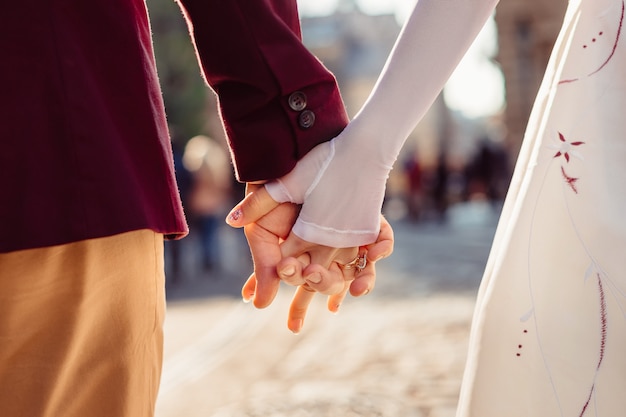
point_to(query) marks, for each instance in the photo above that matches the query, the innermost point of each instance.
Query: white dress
(549, 332)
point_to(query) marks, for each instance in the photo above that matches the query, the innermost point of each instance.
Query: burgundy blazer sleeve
(277, 101)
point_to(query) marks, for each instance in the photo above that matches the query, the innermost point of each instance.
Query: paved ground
(399, 352)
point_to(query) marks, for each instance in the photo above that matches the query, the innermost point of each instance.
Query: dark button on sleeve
(306, 119)
(297, 101)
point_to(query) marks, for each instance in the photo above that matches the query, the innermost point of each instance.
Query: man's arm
(277, 101)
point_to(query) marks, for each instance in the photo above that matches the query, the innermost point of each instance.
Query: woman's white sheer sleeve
(342, 183)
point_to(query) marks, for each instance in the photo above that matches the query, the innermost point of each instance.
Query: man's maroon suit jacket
(85, 145)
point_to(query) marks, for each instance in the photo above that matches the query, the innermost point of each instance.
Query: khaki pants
(81, 328)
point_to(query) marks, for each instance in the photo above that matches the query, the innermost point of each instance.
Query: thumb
(383, 247)
(254, 206)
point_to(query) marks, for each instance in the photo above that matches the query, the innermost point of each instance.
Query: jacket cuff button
(297, 101)
(306, 119)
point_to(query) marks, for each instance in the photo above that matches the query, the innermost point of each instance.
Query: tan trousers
(81, 328)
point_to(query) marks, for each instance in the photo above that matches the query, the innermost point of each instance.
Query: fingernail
(367, 291)
(336, 309)
(314, 278)
(288, 271)
(248, 298)
(234, 215)
(295, 326)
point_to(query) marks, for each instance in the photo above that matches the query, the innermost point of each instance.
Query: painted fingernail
(336, 309)
(234, 215)
(288, 271)
(314, 278)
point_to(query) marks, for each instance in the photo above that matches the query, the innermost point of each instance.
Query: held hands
(278, 254)
(311, 248)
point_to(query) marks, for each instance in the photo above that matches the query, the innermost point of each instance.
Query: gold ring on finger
(359, 263)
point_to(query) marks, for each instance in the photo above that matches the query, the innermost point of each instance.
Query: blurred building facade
(354, 46)
(527, 30)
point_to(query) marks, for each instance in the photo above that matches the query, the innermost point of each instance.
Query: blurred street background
(400, 350)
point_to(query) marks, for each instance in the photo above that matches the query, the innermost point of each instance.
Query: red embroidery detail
(571, 181)
(566, 154)
(619, 32)
(603, 331)
(603, 320)
(613, 50)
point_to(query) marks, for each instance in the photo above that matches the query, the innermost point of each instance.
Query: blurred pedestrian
(440, 187)
(414, 176)
(481, 174)
(209, 196)
(174, 247)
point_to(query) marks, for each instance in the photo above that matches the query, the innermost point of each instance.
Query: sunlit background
(477, 86)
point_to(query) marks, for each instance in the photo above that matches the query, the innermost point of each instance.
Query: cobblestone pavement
(399, 352)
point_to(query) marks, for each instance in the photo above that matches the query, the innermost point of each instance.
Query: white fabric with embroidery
(342, 183)
(549, 332)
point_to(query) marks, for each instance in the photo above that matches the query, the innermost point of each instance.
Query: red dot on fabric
(519, 346)
(519, 354)
(584, 46)
(593, 40)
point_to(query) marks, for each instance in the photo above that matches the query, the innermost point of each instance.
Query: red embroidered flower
(566, 148)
